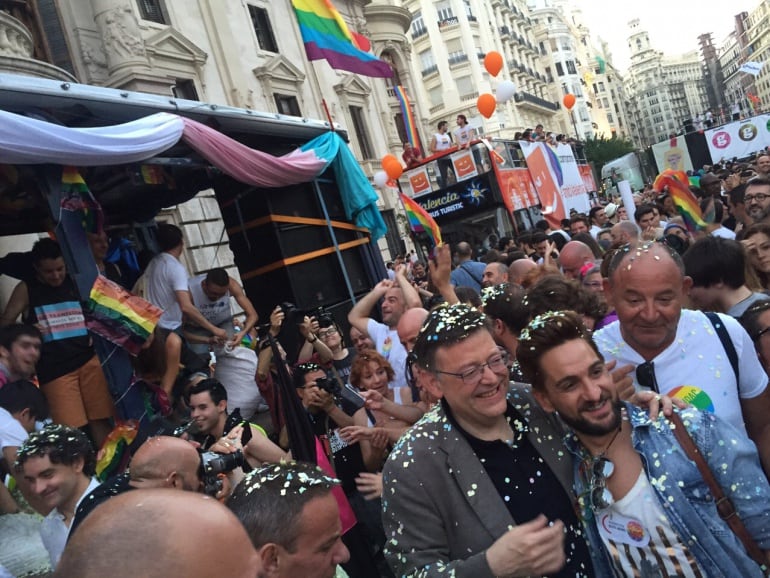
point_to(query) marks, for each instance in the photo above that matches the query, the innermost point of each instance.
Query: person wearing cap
(610, 209)
(710, 185)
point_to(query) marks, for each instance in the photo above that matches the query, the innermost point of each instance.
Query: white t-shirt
(463, 134)
(636, 533)
(695, 367)
(387, 344)
(723, 232)
(165, 276)
(216, 312)
(595, 230)
(11, 432)
(53, 530)
(443, 142)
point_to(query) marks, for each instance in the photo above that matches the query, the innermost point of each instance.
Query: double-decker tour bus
(499, 187)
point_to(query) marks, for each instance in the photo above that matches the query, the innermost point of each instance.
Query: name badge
(622, 529)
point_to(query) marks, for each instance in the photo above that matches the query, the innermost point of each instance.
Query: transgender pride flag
(326, 36)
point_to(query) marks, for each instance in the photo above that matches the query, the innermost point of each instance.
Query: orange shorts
(80, 396)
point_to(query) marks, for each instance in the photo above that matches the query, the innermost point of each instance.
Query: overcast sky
(673, 25)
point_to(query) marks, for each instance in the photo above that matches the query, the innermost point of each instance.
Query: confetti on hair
(495, 292)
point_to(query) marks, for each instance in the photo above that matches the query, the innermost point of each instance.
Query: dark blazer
(441, 511)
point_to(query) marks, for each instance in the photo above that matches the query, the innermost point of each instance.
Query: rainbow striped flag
(78, 198)
(420, 220)
(326, 36)
(406, 111)
(120, 316)
(679, 188)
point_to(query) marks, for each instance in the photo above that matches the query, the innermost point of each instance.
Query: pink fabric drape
(248, 165)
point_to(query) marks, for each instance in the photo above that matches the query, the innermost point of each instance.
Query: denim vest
(685, 497)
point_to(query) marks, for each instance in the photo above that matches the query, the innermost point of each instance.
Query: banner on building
(739, 139)
(672, 154)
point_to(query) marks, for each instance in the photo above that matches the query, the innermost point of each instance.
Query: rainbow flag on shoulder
(326, 36)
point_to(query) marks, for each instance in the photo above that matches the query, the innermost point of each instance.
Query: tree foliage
(601, 150)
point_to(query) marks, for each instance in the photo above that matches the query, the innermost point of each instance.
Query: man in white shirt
(58, 464)
(464, 133)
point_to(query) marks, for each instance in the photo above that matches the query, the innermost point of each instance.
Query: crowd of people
(526, 413)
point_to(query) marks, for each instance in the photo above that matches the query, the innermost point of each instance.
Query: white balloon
(380, 179)
(505, 91)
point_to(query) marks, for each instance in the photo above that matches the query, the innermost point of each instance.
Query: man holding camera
(327, 415)
(208, 405)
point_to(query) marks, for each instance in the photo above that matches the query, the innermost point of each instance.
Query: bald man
(161, 462)
(409, 326)
(625, 233)
(159, 533)
(573, 256)
(519, 269)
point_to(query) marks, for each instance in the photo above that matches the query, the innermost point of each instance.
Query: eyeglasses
(599, 497)
(327, 332)
(758, 197)
(645, 376)
(472, 376)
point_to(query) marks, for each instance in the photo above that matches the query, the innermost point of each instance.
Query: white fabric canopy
(25, 140)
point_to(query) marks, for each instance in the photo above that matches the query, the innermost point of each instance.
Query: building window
(436, 96)
(610, 118)
(153, 10)
(400, 128)
(261, 23)
(362, 135)
(418, 24)
(426, 60)
(571, 67)
(444, 11)
(559, 69)
(185, 88)
(287, 104)
(465, 87)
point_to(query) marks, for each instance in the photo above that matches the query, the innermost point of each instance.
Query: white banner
(753, 68)
(672, 154)
(739, 139)
(573, 188)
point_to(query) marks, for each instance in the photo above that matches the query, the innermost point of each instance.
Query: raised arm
(411, 296)
(359, 315)
(440, 271)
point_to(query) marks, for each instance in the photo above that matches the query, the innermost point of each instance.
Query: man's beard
(583, 426)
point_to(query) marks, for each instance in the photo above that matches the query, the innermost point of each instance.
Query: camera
(323, 317)
(345, 394)
(213, 464)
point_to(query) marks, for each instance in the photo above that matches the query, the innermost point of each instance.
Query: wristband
(315, 338)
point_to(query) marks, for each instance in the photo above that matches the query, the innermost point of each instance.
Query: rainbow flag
(119, 316)
(79, 199)
(326, 36)
(420, 220)
(685, 202)
(406, 111)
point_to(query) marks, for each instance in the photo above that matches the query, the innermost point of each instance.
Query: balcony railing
(458, 58)
(391, 92)
(472, 18)
(470, 96)
(418, 33)
(430, 70)
(527, 98)
(434, 109)
(504, 31)
(451, 21)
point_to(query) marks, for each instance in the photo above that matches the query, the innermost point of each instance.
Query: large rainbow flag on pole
(420, 220)
(406, 111)
(326, 36)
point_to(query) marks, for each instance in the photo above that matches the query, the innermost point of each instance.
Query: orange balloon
(569, 101)
(391, 166)
(493, 62)
(486, 104)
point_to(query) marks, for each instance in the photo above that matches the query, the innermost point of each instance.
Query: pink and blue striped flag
(326, 36)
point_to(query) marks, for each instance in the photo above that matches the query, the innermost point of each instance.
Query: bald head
(464, 251)
(409, 326)
(165, 461)
(519, 269)
(625, 233)
(138, 534)
(573, 256)
(494, 274)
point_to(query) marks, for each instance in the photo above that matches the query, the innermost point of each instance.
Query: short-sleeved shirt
(463, 134)
(165, 276)
(388, 345)
(742, 306)
(695, 367)
(11, 432)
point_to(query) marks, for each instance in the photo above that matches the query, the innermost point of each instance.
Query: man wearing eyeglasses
(480, 486)
(679, 352)
(644, 503)
(757, 199)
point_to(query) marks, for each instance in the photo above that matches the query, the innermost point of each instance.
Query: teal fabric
(358, 196)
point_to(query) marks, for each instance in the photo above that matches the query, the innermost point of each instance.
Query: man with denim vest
(645, 506)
